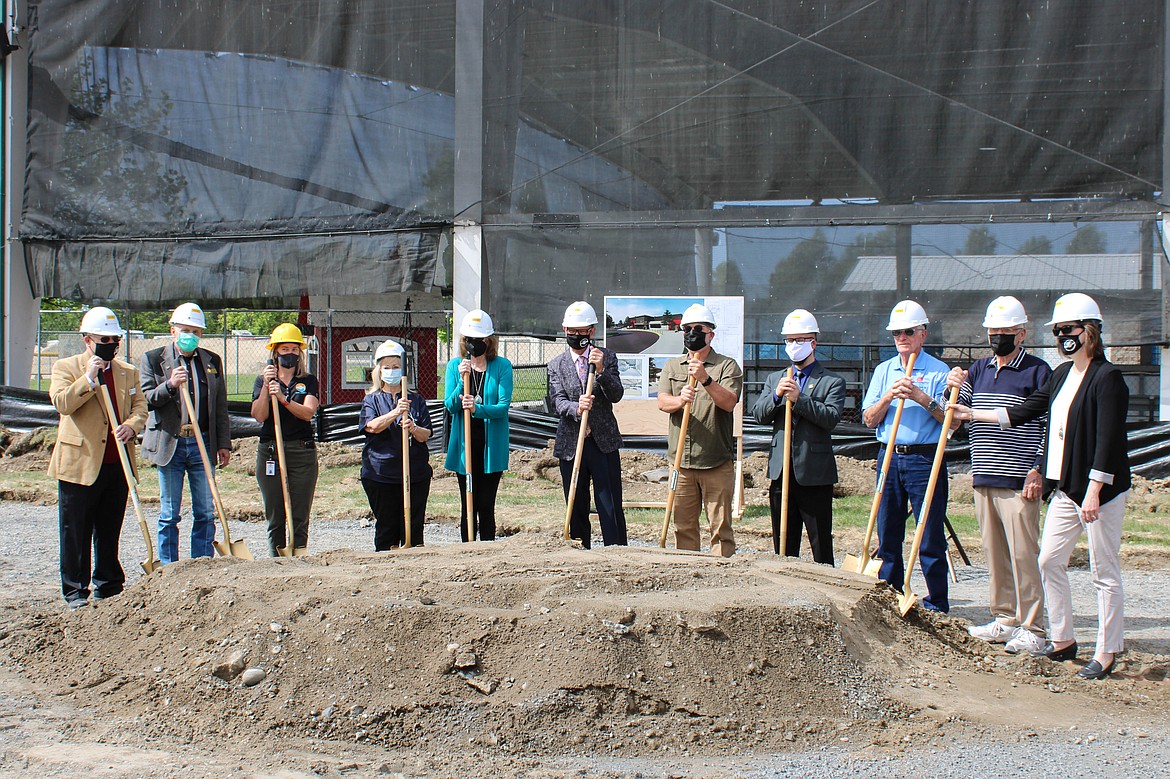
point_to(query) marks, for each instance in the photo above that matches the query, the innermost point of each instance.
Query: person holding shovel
(1086, 471)
(914, 449)
(487, 379)
(387, 412)
(818, 400)
(1006, 476)
(296, 391)
(711, 383)
(169, 441)
(91, 485)
(600, 463)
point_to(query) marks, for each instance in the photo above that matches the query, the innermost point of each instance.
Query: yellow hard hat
(286, 334)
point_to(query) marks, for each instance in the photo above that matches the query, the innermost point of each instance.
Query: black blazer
(1095, 444)
(565, 388)
(814, 415)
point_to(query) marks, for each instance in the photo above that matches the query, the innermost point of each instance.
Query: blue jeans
(170, 493)
(906, 485)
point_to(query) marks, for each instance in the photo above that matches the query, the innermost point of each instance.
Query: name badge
(270, 468)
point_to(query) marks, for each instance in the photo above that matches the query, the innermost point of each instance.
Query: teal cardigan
(497, 397)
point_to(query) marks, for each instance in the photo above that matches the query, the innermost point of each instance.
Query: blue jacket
(497, 398)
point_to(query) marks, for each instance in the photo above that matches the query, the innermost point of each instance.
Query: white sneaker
(1024, 640)
(994, 632)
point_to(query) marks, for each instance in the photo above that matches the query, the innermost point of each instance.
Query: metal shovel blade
(853, 564)
(906, 602)
(233, 549)
(150, 566)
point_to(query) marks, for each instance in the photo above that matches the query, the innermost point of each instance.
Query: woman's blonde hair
(300, 370)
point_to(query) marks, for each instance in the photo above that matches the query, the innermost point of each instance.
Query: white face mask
(392, 376)
(799, 351)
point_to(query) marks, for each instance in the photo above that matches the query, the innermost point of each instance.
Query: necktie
(582, 369)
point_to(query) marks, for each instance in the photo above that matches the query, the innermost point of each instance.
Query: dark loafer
(1060, 655)
(1094, 670)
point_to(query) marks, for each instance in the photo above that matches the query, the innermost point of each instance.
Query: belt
(187, 431)
(295, 443)
(914, 448)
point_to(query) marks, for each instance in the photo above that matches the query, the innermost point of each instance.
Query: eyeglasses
(908, 332)
(106, 339)
(798, 340)
(1060, 330)
(695, 328)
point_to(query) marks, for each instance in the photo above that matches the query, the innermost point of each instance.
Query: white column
(467, 272)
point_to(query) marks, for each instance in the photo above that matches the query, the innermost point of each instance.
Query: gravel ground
(1105, 747)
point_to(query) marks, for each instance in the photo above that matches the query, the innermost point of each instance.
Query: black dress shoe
(1094, 670)
(1060, 655)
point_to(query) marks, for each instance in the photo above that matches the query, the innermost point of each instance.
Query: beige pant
(1010, 526)
(1062, 528)
(709, 488)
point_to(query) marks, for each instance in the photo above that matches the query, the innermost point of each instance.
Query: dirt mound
(522, 647)
(27, 451)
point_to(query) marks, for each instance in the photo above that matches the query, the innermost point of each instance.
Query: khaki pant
(709, 488)
(1010, 526)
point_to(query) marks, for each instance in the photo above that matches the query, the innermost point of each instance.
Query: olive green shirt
(710, 433)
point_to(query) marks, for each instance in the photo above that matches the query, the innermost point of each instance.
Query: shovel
(405, 477)
(907, 599)
(227, 547)
(786, 472)
(289, 549)
(678, 455)
(467, 458)
(577, 454)
(151, 563)
(864, 564)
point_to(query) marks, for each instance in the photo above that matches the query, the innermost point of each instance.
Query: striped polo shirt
(1002, 458)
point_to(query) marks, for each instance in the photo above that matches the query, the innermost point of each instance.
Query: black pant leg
(775, 495)
(110, 514)
(420, 491)
(486, 488)
(75, 516)
(816, 513)
(387, 516)
(579, 527)
(606, 470)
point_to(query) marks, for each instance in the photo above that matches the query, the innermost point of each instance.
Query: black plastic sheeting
(22, 410)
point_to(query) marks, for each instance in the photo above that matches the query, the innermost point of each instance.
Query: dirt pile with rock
(518, 648)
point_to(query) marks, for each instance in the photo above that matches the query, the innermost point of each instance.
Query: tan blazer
(81, 436)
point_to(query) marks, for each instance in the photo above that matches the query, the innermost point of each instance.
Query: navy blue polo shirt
(1002, 458)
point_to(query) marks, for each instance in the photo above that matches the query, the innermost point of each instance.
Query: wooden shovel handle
(405, 476)
(672, 487)
(786, 472)
(577, 454)
(207, 469)
(467, 458)
(151, 562)
(290, 544)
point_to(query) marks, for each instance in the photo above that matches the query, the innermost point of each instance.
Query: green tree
(1086, 240)
(980, 241)
(728, 278)
(1036, 245)
(802, 266)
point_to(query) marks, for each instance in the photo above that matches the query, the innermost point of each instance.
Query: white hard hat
(100, 321)
(697, 313)
(389, 348)
(907, 314)
(189, 314)
(477, 324)
(580, 314)
(800, 321)
(1005, 311)
(1075, 307)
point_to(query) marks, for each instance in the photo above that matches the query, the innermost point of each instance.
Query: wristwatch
(710, 379)
(933, 407)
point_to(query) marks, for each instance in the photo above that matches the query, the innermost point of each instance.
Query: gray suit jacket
(162, 426)
(565, 388)
(814, 415)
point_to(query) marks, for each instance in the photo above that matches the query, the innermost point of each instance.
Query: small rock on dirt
(253, 677)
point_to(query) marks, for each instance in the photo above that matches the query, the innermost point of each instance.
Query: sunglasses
(694, 328)
(1066, 329)
(908, 332)
(106, 339)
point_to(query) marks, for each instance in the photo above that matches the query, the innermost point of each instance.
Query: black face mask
(1069, 345)
(1002, 344)
(105, 351)
(289, 360)
(694, 340)
(576, 341)
(476, 347)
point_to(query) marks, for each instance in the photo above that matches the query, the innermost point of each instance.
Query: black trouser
(301, 457)
(91, 517)
(483, 487)
(605, 471)
(811, 507)
(387, 503)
